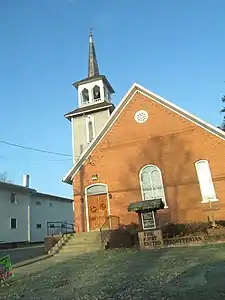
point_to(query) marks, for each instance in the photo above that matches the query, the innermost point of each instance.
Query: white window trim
(90, 118)
(204, 199)
(11, 223)
(142, 195)
(142, 191)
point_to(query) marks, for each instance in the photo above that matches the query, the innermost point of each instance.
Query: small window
(141, 116)
(107, 94)
(13, 223)
(205, 181)
(90, 129)
(85, 96)
(81, 148)
(38, 202)
(38, 226)
(96, 93)
(13, 198)
(52, 226)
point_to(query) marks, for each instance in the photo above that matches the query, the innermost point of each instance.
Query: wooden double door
(97, 210)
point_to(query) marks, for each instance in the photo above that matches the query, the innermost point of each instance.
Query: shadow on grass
(199, 282)
(178, 273)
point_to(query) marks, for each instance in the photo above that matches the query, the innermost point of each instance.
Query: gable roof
(126, 99)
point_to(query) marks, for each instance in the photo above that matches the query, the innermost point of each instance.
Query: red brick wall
(166, 140)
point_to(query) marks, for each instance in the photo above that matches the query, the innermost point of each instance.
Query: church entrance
(97, 206)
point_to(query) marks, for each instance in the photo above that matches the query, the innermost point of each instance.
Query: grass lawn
(175, 273)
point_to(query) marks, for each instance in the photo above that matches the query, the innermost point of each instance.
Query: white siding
(50, 210)
(19, 211)
(79, 131)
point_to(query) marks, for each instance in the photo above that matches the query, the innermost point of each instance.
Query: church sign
(153, 239)
(148, 220)
(150, 239)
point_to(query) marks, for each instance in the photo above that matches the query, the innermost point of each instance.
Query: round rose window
(141, 116)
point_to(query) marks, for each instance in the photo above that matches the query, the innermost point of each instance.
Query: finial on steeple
(92, 60)
(90, 36)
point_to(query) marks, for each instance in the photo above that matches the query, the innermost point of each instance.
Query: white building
(24, 212)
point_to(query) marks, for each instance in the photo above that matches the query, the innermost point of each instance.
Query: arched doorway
(97, 206)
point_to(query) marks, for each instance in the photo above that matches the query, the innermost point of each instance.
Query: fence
(58, 227)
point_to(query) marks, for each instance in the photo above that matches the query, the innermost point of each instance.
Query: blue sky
(175, 48)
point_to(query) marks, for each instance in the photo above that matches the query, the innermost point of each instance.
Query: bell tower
(94, 105)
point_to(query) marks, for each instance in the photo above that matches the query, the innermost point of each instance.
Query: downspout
(26, 184)
(28, 220)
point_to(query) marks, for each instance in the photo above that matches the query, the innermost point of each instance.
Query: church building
(146, 148)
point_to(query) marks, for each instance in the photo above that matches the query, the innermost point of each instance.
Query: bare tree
(222, 126)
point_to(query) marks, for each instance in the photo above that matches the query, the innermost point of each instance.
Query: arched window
(151, 183)
(96, 93)
(90, 129)
(85, 96)
(151, 188)
(107, 94)
(205, 181)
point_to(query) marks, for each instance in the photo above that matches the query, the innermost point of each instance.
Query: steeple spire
(92, 60)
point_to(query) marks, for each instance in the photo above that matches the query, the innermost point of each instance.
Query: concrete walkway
(39, 264)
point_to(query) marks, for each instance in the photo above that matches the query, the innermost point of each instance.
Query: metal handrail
(107, 226)
(59, 227)
(107, 221)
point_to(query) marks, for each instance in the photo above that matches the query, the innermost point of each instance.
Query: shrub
(176, 230)
(221, 223)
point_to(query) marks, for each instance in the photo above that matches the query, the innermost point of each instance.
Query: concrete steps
(79, 240)
(84, 242)
(74, 254)
(78, 248)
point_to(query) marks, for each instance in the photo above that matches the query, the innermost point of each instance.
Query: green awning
(150, 205)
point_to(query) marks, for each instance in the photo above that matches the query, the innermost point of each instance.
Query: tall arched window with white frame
(151, 188)
(205, 181)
